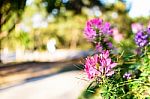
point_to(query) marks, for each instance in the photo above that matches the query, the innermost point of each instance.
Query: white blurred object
(51, 45)
(139, 8)
(7, 56)
(19, 54)
(136, 27)
(117, 36)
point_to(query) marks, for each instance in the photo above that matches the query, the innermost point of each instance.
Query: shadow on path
(17, 74)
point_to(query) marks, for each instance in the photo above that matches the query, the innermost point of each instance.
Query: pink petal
(110, 73)
(108, 61)
(113, 65)
(107, 70)
(105, 54)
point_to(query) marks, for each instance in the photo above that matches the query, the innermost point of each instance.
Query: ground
(57, 80)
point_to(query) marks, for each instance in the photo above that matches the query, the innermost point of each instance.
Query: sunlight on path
(66, 85)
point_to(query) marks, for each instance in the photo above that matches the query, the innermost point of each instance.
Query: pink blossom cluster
(96, 27)
(136, 27)
(99, 65)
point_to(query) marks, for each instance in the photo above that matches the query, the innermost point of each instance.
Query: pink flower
(106, 64)
(90, 34)
(90, 66)
(99, 65)
(104, 54)
(90, 29)
(96, 27)
(136, 27)
(106, 28)
(117, 36)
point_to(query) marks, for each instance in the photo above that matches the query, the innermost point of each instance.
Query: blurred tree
(10, 13)
(73, 5)
(62, 19)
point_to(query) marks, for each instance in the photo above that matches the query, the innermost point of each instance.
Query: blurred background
(47, 25)
(40, 38)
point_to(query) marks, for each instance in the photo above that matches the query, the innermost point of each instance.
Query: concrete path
(58, 55)
(67, 85)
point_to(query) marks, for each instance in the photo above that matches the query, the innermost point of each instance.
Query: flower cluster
(96, 27)
(99, 32)
(142, 38)
(99, 65)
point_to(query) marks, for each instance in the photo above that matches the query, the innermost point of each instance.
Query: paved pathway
(67, 85)
(58, 55)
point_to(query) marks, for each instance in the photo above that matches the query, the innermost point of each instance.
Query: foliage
(131, 79)
(10, 14)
